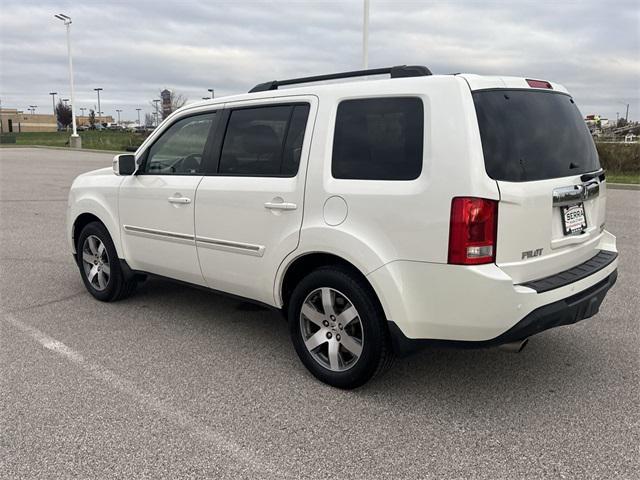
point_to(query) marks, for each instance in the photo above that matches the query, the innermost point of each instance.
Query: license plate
(573, 219)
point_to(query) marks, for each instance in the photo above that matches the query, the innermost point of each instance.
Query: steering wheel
(191, 162)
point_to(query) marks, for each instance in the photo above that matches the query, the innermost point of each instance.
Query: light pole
(74, 141)
(138, 109)
(206, 98)
(156, 101)
(53, 101)
(365, 36)
(98, 90)
(65, 100)
(33, 109)
(118, 112)
(210, 90)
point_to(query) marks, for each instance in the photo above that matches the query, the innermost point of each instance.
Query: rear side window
(533, 135)
(378, 139)
(264, 141)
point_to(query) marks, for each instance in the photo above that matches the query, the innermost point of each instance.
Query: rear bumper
(481, 304)
(563, 312)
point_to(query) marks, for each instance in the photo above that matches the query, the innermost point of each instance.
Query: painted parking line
(260, 466)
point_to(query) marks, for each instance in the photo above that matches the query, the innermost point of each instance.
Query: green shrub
(620, 157)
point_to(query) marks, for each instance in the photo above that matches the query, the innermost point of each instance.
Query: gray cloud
(133, 49)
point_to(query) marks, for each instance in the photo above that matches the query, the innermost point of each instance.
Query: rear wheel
(338, 328)
(100, 266)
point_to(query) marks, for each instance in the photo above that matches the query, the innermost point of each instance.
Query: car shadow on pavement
(550, 368)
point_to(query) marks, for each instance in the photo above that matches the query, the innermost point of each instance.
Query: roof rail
(395, 72)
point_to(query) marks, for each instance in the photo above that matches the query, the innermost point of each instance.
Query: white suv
(378, 215)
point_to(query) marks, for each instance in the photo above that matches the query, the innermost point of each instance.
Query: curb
(623, 186)
(51, 147)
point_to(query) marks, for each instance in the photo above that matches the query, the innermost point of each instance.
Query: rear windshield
(533, 135)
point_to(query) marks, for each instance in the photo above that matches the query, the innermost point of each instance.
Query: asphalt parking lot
(177, 382)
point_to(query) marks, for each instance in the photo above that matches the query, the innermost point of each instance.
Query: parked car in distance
(379, 216)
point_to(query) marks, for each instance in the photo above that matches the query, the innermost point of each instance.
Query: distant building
(84, 119)
(165, 96)
(13, 120)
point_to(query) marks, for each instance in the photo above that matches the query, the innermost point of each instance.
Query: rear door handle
(280, 206)
(179, 200)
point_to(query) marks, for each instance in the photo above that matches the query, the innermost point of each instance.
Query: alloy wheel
(331, 329)
(95, 262)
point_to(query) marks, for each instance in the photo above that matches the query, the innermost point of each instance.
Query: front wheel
(100, 266)
(338, 328)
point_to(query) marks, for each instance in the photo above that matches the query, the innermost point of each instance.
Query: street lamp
(210, 90)
(33, 109)
(365, 36)
(65, 100)
(138, 109)
(75, 140)
(206, 98)
(118, 112)
(53, 101)
(98, 90)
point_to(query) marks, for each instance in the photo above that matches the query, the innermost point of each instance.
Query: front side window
(378, 139)
(264, 141)
(180, 149)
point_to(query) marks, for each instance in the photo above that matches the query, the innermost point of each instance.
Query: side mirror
(124, 164)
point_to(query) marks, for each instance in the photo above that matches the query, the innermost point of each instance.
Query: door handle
(179, 200)
(280, 206)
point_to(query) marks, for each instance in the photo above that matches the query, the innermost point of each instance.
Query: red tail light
(539, 84)
(472, 231)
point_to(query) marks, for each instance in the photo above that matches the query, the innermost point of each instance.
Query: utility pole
(98, 90)
(365, 36)
(210, 90)
(75, 140)
(626, 117)
(138, 109)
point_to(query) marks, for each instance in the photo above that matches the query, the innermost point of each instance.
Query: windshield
(532, 135)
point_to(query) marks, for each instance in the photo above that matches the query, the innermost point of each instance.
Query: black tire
(376, 354)
(118, 285)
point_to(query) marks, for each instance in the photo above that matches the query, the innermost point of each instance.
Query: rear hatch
(552, 192)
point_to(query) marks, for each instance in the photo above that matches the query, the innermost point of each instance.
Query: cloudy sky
(133, 49)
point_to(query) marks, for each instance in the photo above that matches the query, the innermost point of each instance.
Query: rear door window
(533, 135)
(378, 139)
(264, 141)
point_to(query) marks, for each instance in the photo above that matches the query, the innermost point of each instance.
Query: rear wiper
(589, 176)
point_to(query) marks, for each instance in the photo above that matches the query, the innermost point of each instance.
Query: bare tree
(92, 118)
(176, 101)
(149, 120)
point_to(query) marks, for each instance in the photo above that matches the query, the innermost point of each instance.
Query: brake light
(472, 231)
(539, 84)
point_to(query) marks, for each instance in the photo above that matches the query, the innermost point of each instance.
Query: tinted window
(532, 135)
(378, 139)
(180, 149)
(264, 141)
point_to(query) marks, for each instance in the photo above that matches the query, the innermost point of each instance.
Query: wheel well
(82, 221)
(306, 263)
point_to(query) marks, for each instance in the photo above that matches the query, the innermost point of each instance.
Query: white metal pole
(365, 36)
(73, 103)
